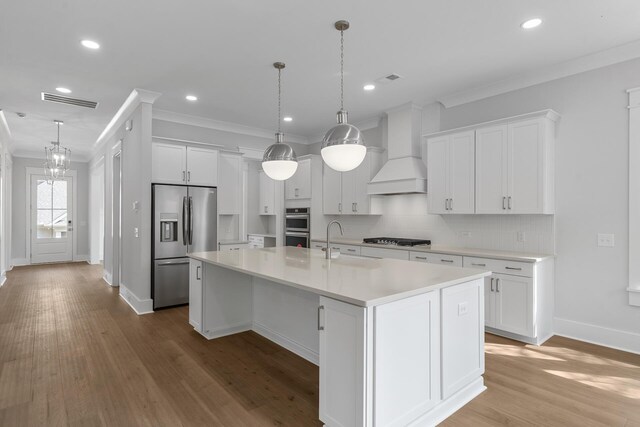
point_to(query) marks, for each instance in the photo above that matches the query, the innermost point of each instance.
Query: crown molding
(5, 132)
(81, 157)
(204, 122)
(579, 65)
(403, 107)
(135, 98)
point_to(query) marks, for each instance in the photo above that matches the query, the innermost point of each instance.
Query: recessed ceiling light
(369, 87)
(90, 44)
(191, 98)
(63, 90)
(287, 119)
(531, 23)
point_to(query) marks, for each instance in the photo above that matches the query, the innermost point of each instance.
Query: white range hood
(404, 172)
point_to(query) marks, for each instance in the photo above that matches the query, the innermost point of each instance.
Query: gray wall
(591, 186)
(20, 216)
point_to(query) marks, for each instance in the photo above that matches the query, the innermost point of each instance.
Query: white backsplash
(406, 216)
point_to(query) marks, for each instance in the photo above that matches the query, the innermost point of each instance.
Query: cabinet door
(168, 163)
(489, 302)
(437, 174)
(195, 294)
(349, 192)
(362, 177)
(229, 184)
(267, 195)
(526, 167)
(461, 173)
(491, 170)
(299, 185)
(331, 191)
(514, 304)
(202, 166)
(342, 363)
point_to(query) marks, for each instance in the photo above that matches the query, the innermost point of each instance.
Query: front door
(51, 219)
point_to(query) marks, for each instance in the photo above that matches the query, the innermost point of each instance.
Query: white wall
(591, 194)
(20, 217)
(6, 178)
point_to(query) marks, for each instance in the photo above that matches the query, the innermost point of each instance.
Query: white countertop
(272, 236)
(360, 281)
(450, 250)
(233, 242)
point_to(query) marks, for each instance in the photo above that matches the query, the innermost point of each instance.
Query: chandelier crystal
(57, 158)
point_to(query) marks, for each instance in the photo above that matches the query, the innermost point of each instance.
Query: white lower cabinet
(195, 294)
(384, 253)
(232, 246)
(342, 363)
(435, 258)
(513, 304)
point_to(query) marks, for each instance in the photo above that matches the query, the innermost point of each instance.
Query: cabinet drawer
(256, 239)
(346, 249)
(384, 253)
(515, 268)
(235, 247)
(435, 258)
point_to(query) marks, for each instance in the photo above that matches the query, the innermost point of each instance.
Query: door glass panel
(51, 205)
(44, 224)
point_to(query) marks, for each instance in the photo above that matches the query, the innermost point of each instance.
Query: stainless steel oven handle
(190, 220)
(173, 262)
(184, 220)
(293, 233)
(294, 216)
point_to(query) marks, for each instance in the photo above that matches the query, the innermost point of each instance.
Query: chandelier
(57, 158)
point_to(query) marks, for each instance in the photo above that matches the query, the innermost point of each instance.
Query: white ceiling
(222, 52)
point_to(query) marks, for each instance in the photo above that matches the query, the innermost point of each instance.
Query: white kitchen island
(398, 343)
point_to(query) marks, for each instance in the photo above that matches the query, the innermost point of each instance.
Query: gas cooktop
(393, 241)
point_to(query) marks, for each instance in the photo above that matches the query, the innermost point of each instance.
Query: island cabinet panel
(343, 367)
(407, 359)
(195, 294)
(462, 316)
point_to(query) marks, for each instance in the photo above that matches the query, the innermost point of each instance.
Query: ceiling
(222, 52)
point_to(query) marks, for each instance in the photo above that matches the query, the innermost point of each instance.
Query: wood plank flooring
(73, 353)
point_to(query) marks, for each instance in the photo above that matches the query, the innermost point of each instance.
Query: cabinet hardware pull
(446, 260)
(497, 285)
(509, 202)
(339, 207)
(450, 204)
(504, 201)
(296, 192)
(421, 257)
(446, 204)
(320, 327)
(353, 207)
(189, 176)
(514, 268)
(480, 265)
(265, 209)
(184, 177)
(492, 279)
(198, 273)
(351, 250)
(356, 207)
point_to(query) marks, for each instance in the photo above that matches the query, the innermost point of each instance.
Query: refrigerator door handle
(190, 220)
(184, 220)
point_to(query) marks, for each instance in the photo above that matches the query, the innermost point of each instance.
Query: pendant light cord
(279, 94)
(341, 69)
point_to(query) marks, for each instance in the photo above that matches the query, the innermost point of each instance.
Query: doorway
(51, 219)
(117, 219)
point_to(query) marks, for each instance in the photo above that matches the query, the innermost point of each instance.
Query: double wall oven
(297, 227)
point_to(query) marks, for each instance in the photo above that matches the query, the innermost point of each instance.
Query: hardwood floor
(73, 353)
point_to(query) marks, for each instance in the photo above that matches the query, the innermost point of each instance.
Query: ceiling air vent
(388, 79)
(68, 100)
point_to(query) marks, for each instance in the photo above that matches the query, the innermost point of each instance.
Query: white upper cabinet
(345, 193)
(229, 183)
(501, 167)
(451, 173)
(168, 163)
(202, 166)
(267, 204)
(299, 185)
(177, 164)
(514, 168)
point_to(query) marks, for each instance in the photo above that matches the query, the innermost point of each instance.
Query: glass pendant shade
(343, 147)
(57, 159)
(279, 161)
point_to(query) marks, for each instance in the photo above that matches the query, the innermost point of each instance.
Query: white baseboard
(3, 278)
(634, 297)
(449, 406)
(107, 278)
(535, 341)
(15, 262)
(299, 349)
(614, 338)
(229, 330)
(138, 305)
(85, 258)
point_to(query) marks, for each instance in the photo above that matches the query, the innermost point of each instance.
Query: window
(51, 205)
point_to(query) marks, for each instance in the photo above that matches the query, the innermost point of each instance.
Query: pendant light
(57, 158)
(279, 161)
(343, 147)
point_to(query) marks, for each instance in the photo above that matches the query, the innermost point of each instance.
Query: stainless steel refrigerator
(184, 220)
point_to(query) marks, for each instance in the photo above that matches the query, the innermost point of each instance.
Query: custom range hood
(404, 172)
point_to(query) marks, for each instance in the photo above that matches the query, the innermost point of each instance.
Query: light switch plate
(606, 240)
(521, 236)
(463, 308)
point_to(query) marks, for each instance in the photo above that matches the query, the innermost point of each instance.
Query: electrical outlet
(465, 234)
(463, 308)
(520, 236)
(136, 232)
(606, 240)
